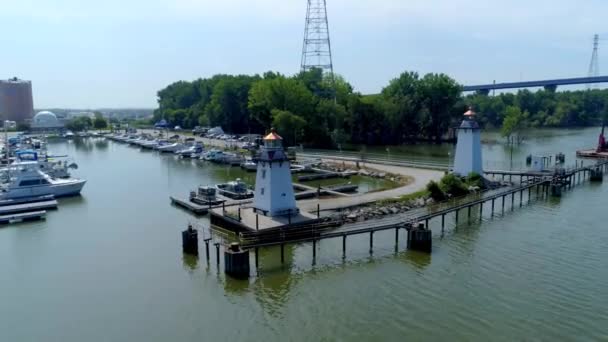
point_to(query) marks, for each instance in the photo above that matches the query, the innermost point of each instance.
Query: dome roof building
(46, 120)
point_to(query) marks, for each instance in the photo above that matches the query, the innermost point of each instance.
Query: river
(108, 266)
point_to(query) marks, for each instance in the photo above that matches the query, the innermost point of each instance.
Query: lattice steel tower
(316, 49)
(594, 65)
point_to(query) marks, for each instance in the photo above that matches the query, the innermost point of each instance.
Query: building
(274, 194)
(16, 102)
(46, 121)
(468, 147)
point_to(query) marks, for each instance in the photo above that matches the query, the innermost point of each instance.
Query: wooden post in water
(371, 242)
(456, 216)
(521, 198)
(426, 222)
(257, 221)
(257, 259)
(512, 201)
(343, 245)
(396, 238)
(217, 252)
(469, 211)
(207, 248)
(503, 204)
(314, 250)
(442, 221)
(282, 253)
(493, 200)
(480, 211)
(318, 210)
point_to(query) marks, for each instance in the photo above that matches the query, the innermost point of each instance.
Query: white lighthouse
(468, 148)
(273, 187)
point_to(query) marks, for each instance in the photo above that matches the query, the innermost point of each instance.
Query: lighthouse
(273, 186)
(468, 148)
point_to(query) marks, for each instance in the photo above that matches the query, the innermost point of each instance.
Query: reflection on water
(190, 262)
(115, 253)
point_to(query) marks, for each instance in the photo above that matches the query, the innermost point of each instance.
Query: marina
(503, 243)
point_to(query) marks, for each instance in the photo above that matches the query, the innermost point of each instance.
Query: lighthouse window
(262, 191)
(263, 174)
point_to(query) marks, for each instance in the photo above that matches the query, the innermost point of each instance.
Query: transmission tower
(594, 65)
(316, 49)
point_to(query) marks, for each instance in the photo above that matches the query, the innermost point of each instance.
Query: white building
(468, 148)
(273, 187)
(46, 120)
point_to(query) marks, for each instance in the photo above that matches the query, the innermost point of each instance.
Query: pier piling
(217, 252)
(282, 253)
(236, 261)
(190, 241)
(420, 239)
(371, 242)
(207, 248)
(344, 246)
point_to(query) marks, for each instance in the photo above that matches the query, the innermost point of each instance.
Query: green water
(108, 266)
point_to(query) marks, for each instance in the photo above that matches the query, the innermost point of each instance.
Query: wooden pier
(535, 186)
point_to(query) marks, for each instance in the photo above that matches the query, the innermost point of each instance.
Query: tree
(288, 125)
(80, 123)
(513, 123)
(100, 122)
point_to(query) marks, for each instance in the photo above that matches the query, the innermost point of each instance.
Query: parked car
(177, 128)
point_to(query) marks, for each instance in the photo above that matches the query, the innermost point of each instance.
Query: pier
(418, 223)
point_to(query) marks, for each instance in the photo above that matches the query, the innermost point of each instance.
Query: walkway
(421, 177)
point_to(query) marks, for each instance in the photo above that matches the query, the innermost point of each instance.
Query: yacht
(171, 148)
(195, 149)
(54, 166)
(24, 179)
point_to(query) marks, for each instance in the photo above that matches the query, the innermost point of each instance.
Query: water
(108, 266)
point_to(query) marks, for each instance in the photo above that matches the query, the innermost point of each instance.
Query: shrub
(453, 185)
(435, 191)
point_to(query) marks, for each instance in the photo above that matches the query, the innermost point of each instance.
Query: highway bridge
(547, 84)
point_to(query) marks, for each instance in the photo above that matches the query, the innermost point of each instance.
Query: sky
(119, 53)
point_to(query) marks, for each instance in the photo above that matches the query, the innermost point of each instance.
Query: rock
(382, 175)
(352, 216)
(419, 202)
(395, 210)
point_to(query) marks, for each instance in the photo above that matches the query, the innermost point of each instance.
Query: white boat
(195, 149)
(249, 165)
(212, 155)
(171, 148)
(26, 180)
(68, 135)
(230, 159)
(54, 166)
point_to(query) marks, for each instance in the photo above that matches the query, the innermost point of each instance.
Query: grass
(406, 198)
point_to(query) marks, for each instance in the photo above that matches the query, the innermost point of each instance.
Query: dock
(190, 206)
(28, 207)
(22, 217)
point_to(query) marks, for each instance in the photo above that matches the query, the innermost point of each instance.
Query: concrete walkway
(421, 177)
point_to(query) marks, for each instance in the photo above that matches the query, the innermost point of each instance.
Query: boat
(230, 159)
(171, 148)
(211, 155)
(25, 180)
(234, 190)
(51, 165)
(195, 150)
(69, 135)
(249, 165)
(205, 195)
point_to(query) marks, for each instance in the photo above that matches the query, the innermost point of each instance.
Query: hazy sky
(118, 53)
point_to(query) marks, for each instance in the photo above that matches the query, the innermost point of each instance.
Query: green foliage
(474, 179)
(23, 127)
(409, 108)
(100, 122)
(453, 185)
(514, 121)
(543, 108)
(290, 125)
(435, 191)
(81, 123)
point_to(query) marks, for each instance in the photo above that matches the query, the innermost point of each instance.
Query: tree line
(316, 109)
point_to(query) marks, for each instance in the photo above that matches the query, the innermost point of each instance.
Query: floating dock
(592, 153)
(188, 205)
(28, 207)
(22, 217)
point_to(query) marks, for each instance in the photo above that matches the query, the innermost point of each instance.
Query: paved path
(421, 177)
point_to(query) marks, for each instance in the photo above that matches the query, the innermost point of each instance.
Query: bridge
(547, 84)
